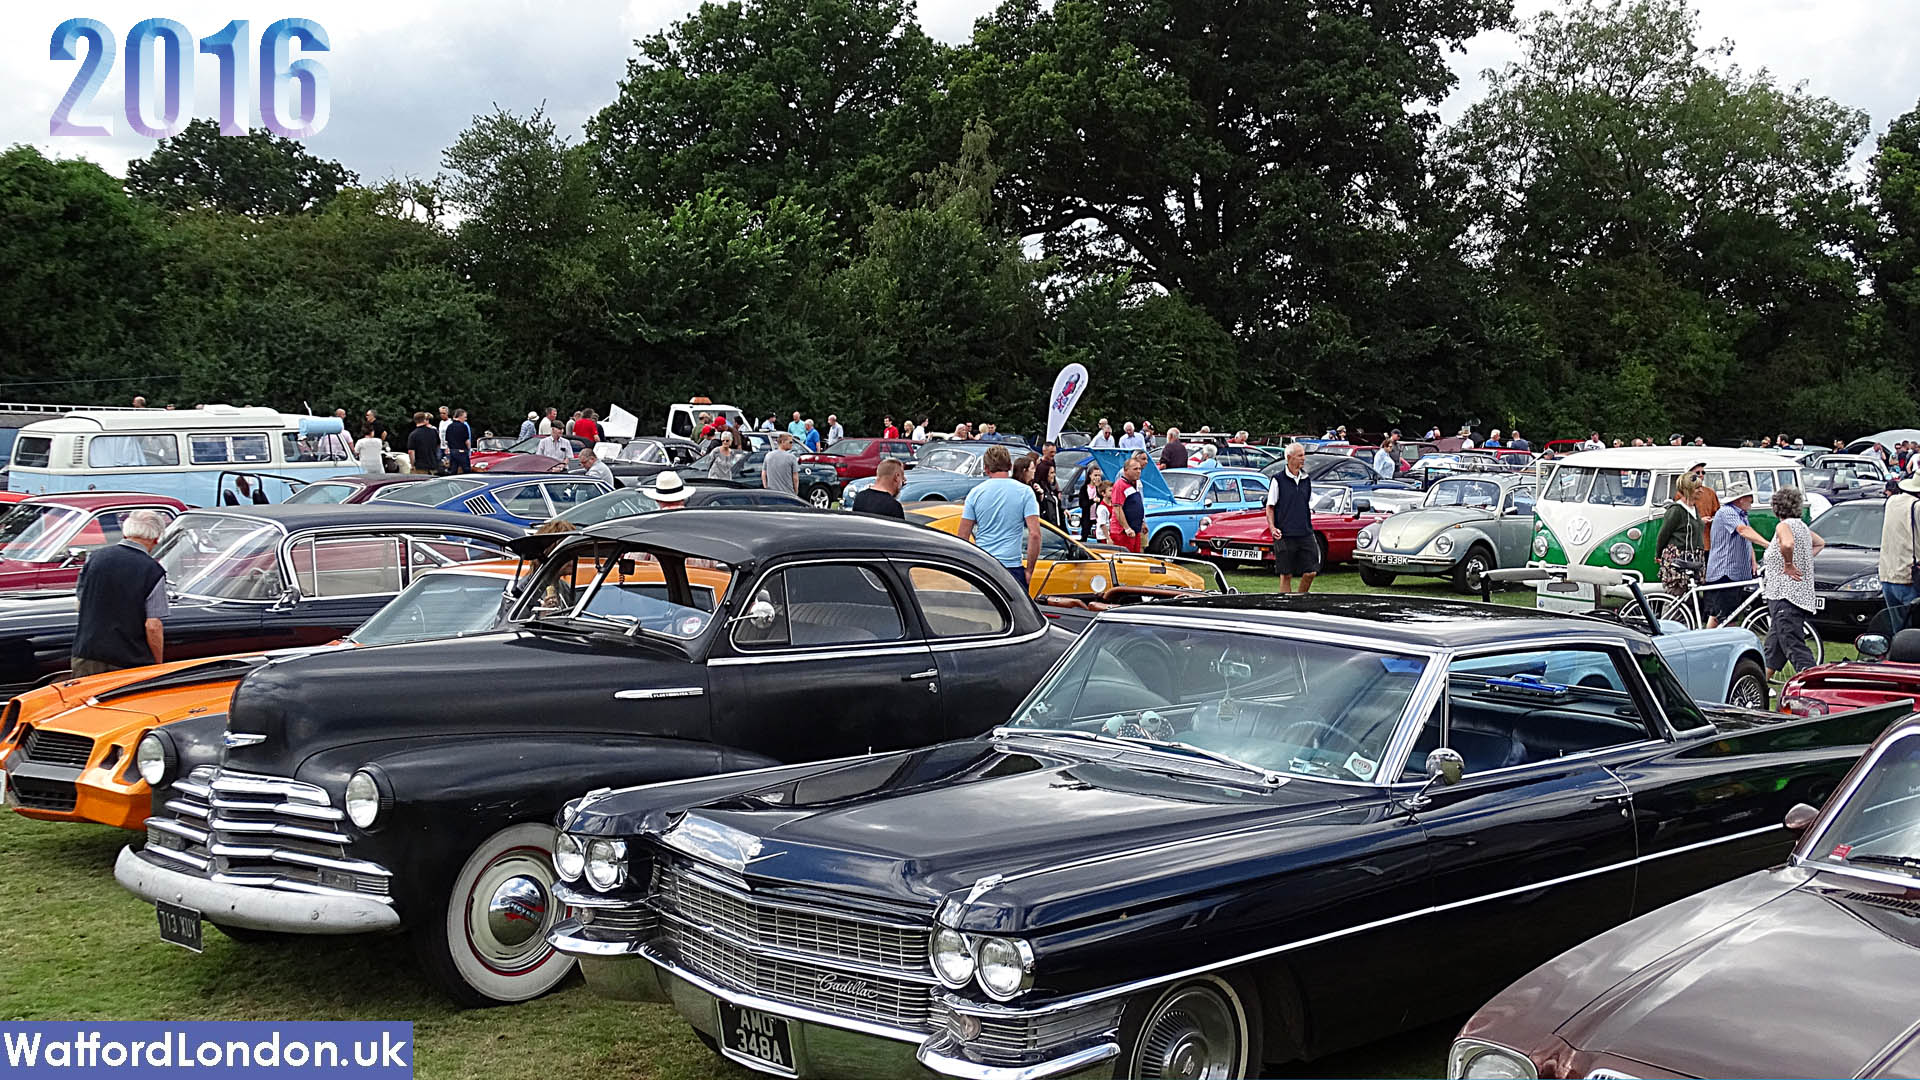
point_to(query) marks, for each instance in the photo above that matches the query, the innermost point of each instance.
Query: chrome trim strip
(573, 897)
(185, 858)
(568, 937)
(827, 961)
(270, 828)
(1331, 935)
(299, 810)
(1164, 616)
(254, 784)
(293, 885)
(301, 858)
(1546, 764)
(964, 644)
(182, 806)
(231, 740)
(1885, 1055)
(175, 828)
(932, 1055)
(780, 1008)
(911, 648)
(659, 693)
(588, 800)
(1815, 837)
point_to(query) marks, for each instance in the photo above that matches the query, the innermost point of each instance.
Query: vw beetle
(1467, 526)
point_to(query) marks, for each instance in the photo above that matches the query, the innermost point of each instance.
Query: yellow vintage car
(1069, 568)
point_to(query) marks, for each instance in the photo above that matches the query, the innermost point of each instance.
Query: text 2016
(292, 95)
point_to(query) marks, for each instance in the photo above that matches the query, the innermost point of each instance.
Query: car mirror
(759, 614)
(1208, 501)
(288, 598)
(75, 556)
(1445, 766)
(1871, 646)
(1800, 817)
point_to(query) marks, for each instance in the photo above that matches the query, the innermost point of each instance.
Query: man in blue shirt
(1000, 514)
(1728, 559)
(1290, 518)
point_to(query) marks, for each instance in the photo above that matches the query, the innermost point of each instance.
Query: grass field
(78, 947)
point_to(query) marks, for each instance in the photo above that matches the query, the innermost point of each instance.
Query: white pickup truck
(684, 419)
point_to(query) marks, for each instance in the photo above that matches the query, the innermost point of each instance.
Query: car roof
(100, 500)
(1674, 457)
(745, 535)
(299, 516)
(374, 480)
(1402, 620)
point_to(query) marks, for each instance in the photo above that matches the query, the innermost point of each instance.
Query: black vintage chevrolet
(414, 787)
(1223, 832)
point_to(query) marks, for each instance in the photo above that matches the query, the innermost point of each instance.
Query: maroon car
(1806, 969)
(43, 538)
(353, 488)
(855, 459)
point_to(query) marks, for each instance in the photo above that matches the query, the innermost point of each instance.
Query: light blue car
(1193, 494)
(943, 472)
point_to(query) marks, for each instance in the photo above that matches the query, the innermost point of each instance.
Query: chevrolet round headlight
(569, 858)
(606, 864)
(1365, 540)
(363, 800)
(952, 957)
(1863, 583)
(1540, 545)
(154, 757)
(1005, 967)
(1443, 544)
(1471, 1059)
(1621, 553)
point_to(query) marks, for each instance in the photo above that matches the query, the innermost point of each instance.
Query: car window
(323, 493)
(1762, 485)
(823, 604)
(352, 566)
(567, 494)
(433, 492)
(428, 552)
(1683, 713)
(1854, 524)
(1056, 547)
(525, 501)
(106, 525)
(1253, 490)
(954, 606)
(1521, 502)
(1227, 490)
(1484, 494)
(1522, 708)
(128, 451)
(1348, 473)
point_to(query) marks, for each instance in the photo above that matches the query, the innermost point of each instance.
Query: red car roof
(100, 500)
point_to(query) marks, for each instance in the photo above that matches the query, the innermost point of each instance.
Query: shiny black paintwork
(36, 630)
(1355, 914)
(482, 732)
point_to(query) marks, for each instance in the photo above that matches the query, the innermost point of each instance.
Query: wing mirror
(1445, 767)
(1871, 646)
(75, 556)
(287, 599)
(1800, 817)
(759, 614)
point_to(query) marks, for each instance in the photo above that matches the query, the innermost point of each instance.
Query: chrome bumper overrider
(319, 911)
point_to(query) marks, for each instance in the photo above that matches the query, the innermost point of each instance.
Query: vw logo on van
(1580, 530)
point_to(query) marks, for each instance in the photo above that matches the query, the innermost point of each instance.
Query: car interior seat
(1905, 648)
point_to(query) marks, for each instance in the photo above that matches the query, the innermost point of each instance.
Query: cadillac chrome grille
(1018, 1040)
(838, 963)
(265, 831)
(58, 748)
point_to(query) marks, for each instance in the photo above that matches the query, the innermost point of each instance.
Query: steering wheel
(1151, 662)
(1312, 726)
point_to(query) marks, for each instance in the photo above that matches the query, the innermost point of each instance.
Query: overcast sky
(409, 75)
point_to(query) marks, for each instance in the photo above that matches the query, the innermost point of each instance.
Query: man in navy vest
(123, 598)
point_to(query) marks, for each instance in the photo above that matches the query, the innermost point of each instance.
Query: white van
(180, 453)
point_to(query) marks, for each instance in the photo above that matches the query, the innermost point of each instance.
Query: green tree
(1892, 249)
(256, 173)
(820, 101)
(77, 259)
(1667, 233)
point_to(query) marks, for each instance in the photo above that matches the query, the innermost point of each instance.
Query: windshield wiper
(1267, 776)
(1907, 861)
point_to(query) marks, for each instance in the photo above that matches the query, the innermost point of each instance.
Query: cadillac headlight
(1443, 544)
(952, 957)
(606, 865)
(1471, 1059)
(1365, 540)
(569, 858)
(1621, 553)
(364, 799)
(1005, 967)
(1540, 545)
(1863, 583)
(155, 758)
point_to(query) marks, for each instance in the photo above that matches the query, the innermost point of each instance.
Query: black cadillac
(1223, 832)
(251, 578)
(414, 787)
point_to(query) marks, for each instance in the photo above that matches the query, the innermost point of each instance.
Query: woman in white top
(372, 453)
(1787, 584)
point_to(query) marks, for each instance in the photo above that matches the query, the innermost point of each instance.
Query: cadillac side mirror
(287, 599)
(1800, 817)
(1445, 767)
(1871, 646)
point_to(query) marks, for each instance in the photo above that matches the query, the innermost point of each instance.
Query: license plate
(1249, 554)
(1389, 560)
(179, 925)
(756, 1038)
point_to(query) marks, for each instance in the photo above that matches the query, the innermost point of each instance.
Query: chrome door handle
(930, 673)
(1620, 799)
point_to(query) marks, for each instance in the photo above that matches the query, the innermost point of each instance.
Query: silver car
(1467, 526)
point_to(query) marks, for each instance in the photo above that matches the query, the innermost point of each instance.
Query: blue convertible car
(524, 499)
(1197, 493)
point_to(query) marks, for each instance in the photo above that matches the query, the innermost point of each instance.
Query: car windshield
(605, 586)
(1599, 487)
(849, 447)
(1854, 524)
(614, 504)
(222, 556)
(1332, 500)
(1857, 473)
(1304, 708)
(427, 492)
(37, 532)
(1878, 827)
(436, 605)
(644, 452)
(1186, 486)
(956, 461)
(323, 493)
(1481, 493)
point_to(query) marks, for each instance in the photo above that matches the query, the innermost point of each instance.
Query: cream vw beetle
(1603, 507)
(1468, 525)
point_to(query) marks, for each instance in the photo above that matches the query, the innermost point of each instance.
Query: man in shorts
(1290, 517)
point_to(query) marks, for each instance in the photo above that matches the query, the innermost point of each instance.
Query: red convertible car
(856, 459)
(1244, 536)
(1885, 672)
(43, 538)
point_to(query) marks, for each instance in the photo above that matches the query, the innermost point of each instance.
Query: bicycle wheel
(1660, 605)
(1760, 624)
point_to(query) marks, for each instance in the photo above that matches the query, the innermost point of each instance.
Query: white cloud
(408, 77)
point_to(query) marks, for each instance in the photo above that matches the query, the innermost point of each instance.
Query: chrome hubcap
(517, 911)
(1191, 1036)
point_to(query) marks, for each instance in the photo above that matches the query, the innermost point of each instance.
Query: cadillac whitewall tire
(1202, 1027)
(488, 944)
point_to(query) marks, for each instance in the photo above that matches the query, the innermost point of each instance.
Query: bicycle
(1686, 610)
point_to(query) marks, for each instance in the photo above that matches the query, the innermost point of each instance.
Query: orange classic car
(68, 749)
(1068, 567)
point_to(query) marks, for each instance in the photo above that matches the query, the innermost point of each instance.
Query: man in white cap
(668, 490)
(1729, 560)
(530, 426)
